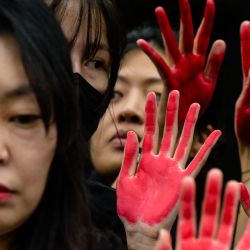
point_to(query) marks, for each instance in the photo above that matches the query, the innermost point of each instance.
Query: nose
(4, 151)
(132, 110)
(76, 65)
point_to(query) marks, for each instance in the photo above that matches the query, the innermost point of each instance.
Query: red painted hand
(245, 198)
(185, 68)
(244, 243)
(211, 236)
(147, 194)
(186, 235)
(242, 107)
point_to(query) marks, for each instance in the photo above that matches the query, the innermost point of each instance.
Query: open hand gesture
(212, 235)
(186, 68)
(147, 194)
(242, 107)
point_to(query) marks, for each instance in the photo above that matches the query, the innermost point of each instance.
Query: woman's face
(26, 148)
(137, 77)
(95, 70)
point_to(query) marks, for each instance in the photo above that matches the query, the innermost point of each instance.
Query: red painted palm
(147, 194)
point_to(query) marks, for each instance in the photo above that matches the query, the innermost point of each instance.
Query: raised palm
(242, 107)
(147, 194)
(185, 68)
(212, 235)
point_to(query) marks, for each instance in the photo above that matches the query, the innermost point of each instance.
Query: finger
(211, 204)
(168, 35)
(160, 63)
(214, 61)
(229, 211)
(149, 141)
(130, 153)
(245, 94)
(187, 215)
(204, 32)
(245, 47)
(245, 198)
(171, 124)
(164, 241)
(244, 243)
(186, 30)
(200, 158)
(186, 139)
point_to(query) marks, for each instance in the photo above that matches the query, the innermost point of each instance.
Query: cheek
(34, 168)
(97, 79)
(28, 171)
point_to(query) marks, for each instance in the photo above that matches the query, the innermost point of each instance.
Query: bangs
(80, 13)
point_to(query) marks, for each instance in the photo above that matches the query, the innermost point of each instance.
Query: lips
(5, 193)
(120, 138)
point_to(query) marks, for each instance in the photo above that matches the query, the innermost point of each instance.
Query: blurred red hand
(245, 198)
(212, 235)
(244, 243)
(186, 70)
(242, 107)
(147, 194)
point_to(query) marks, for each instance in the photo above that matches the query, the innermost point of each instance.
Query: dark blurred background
(229, 15)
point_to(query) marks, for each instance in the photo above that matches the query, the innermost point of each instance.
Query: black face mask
(90, 103)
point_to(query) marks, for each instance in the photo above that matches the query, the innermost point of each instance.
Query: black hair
(93, 12)
(61, 220)
(147, 31)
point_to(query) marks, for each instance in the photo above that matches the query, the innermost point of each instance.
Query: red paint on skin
(245, 48)
(187, 131)
(203, 244)
(171, 114)
(244, 242)
(208, 226)
(190, 73)
(242, 116)
(206, 28)
(186, 235)
(228, 217)
(242, 108)
(141, 197)
(131, 149)
(187, 200)
(211, 204)
(244, 196)
(167, 32)
(150, 126)
(212, 197)
(188, 32)
(186, 230)
(208, 144)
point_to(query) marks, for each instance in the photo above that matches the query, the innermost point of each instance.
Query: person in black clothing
(89, 27)
(42, 193)
(137, 76)
(107, 143)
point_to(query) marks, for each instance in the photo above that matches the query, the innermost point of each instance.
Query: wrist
(244, 154)
(140, 241)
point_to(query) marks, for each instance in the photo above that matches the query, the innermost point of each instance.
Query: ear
(199, 138)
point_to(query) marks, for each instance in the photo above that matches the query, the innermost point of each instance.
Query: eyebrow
(150, 80)
(21, 90)
(103, 46)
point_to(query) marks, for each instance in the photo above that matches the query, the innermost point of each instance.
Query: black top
(102, 201)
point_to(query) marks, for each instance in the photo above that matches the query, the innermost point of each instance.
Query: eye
(116, 95)
(25, 119)
(158, 96)
(95, 64)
